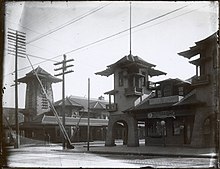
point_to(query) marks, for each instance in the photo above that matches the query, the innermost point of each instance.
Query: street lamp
(163, 123)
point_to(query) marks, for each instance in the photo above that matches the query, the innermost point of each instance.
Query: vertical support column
(16, 93)
(109, 134)
(133, 140)
(146, 129)
(63, 99)
(88, 129)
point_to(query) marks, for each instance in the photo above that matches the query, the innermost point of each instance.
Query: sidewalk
(168, 151)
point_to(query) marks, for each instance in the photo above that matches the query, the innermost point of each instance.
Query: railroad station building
(170, 112)
(131, 74)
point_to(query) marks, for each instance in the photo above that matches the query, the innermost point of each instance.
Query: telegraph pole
(88, 127)
(64, 71)
(17, 48)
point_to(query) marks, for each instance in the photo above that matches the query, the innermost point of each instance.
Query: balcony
(133, 91)
(112, 107)
(162, 100)
(200, 80)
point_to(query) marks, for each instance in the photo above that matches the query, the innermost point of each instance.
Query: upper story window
(167, 90)
(159, 94)
(120, 79)
(143, 79)
(181, 91)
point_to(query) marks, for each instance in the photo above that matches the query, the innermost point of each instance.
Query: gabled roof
(175, 80)
(82, 102)
(68, 102)
(128, 61)
(97, 105)
(42, 74)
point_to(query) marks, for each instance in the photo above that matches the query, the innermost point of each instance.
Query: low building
(9, 124)
(168, 113)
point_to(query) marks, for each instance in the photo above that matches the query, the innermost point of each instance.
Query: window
(178, 126)
(167, 91)
(143, 79)
(181, 91)
(159, 93)
(120, 79)
(155, 129)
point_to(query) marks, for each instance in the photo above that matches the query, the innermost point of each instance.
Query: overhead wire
(113, 35)
(68, 23)
(58, 28)
(171, 18)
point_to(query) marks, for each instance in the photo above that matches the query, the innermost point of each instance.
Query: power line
(174, 17)
(108, 37)
(143, 23)
(170, 18)
(60, 27)
(68, 23)
(41, 58)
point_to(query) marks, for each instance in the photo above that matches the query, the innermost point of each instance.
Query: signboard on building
(162, 100)
(161, 114)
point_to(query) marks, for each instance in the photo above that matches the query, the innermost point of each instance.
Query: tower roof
(42, 74)
(128, 61)
(195, 50)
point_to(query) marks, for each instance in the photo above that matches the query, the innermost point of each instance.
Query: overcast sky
(94, 35)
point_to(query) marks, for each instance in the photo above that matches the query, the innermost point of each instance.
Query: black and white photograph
(110, 84)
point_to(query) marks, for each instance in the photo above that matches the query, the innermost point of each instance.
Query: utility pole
(88, 127)
(64, 71)
(17, 48)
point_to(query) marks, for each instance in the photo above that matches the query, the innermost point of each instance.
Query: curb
(144, 154)
(155, 154)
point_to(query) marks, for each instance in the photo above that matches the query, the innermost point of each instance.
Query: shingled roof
(128, 61)
(42, 74)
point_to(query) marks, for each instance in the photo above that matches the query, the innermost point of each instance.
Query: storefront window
(155, 129)
(177, 127)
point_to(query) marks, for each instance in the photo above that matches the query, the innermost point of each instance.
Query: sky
(96, 34)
